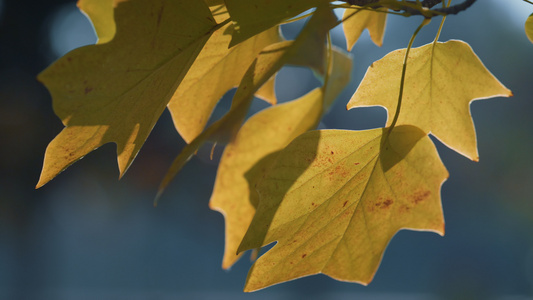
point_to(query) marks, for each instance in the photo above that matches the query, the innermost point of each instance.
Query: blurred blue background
(86, 235)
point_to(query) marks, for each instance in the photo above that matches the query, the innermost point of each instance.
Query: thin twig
(417, 8)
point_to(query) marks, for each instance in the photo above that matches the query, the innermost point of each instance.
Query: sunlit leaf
(529, 28)
(216, 70)
(269, 61)
(115, 92)
(333, 200)
(261, 136)
(441, 81)
(359, 20)
(265, 133)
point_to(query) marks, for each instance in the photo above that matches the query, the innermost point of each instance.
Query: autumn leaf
(253, 17)
(270, 60)
(333, 199)
(100, 12)
(358, 20)
(529, 28)
(263, 135)
(115, 92)
(441, 81)
(216, 70)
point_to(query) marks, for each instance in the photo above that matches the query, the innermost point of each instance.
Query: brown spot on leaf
(344, 204)
(356, 164)
(404, 209)
(332, 152)
(384, 204)
(420, 196)
(88, 90)
(304, 255)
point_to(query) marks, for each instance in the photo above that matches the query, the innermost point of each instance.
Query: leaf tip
(42, 181)
(39, 185)
(442, 231)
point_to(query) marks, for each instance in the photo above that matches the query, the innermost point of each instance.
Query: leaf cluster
(331, 199)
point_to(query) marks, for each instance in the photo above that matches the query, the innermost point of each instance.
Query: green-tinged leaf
(253, 17)
(269, 61)
(529, 28)
(216, 70)
(333, 200)
(260, 137)
(441, 81)
(115, 92)
(263, 134)
(100, 12)
(356, 21)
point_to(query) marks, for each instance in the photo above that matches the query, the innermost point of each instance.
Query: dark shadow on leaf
(396, 145)
(267, 191)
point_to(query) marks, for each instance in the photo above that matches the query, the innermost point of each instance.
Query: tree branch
(427, 4)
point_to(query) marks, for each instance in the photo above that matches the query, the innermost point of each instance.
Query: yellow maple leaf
(216, 70)
(269, 61)
(441, 81)
(115, 92)
(333, 199)
(263, 135)
(358, 20)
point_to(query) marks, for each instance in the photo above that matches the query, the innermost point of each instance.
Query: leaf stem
(528, 2)
(441, 22)
(404, 69)
(297, 18)
(329, 61)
